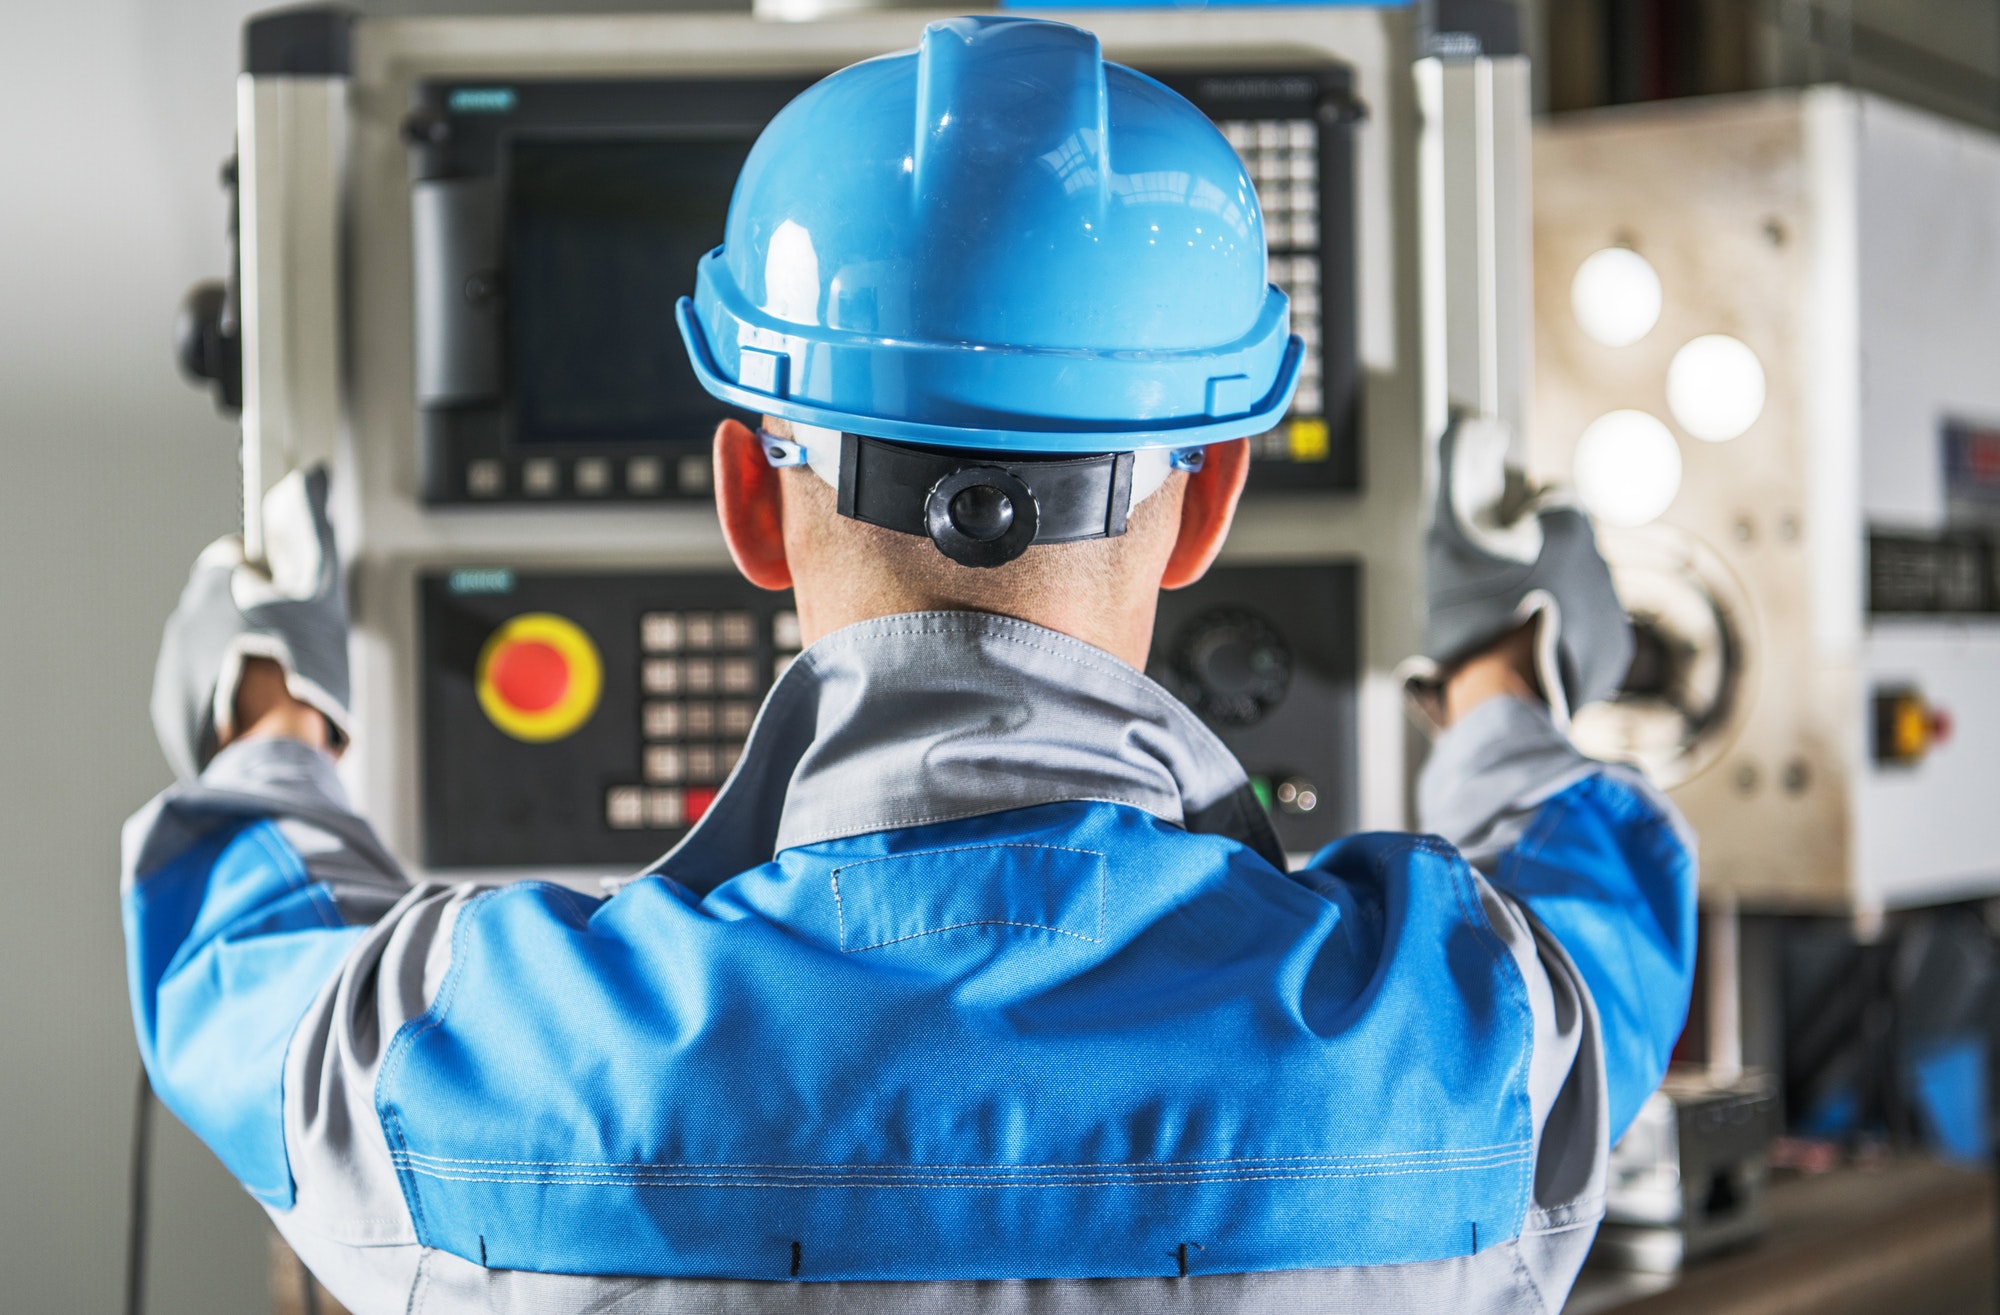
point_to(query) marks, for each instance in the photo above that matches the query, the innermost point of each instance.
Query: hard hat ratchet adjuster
(979, 509)
(984, 516)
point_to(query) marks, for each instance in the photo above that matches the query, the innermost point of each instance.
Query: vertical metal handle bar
(1473, 168)
(290, 133)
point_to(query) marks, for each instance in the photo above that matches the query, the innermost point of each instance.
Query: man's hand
(265, 709)
(1518, 590)
(286, 622)
(1506, 670)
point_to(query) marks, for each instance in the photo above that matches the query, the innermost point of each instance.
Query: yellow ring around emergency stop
(579, 700)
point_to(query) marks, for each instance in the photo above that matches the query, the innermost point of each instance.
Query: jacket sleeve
(243, 891)
(1599, 860)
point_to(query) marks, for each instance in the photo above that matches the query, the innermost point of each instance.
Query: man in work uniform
(982, 985)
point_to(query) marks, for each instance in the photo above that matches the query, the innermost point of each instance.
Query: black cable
(139, 1197)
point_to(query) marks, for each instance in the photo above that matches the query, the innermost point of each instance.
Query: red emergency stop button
(529, 675)
(539, 677)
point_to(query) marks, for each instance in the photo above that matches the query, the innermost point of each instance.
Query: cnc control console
(461, 245)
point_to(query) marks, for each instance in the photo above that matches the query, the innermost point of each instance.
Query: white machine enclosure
(1848, 242)
(1440, 221)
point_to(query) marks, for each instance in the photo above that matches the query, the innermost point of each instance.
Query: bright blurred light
(1715, 387)
(1616, 296)
(1627, 468)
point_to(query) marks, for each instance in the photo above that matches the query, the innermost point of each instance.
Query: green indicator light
(1261, 787)
(482, 100)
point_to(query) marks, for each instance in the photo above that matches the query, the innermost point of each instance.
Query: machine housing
(1819, 674)
(423, 200)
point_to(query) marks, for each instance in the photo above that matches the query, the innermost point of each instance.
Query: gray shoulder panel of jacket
(345, 1181)
(293, 785)
(1488, 774)
(1498, 763)
(347, 1191)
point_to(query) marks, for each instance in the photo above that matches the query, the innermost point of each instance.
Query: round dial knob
(1235, 665)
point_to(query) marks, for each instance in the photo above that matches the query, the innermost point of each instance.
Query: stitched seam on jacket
(418, 1282)
(904, 1182)
(1582, 1212)
(1497, 1150)
(875, 824)
(840, 909)
(1521, 1268)
(297, 875)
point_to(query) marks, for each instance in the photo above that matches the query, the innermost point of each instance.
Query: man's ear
(750, 501)
(1208, 505)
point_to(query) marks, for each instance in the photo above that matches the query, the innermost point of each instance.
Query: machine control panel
(588, 719)
(1955, 572)
(575, 717)
(574, 720)
(1268, 655)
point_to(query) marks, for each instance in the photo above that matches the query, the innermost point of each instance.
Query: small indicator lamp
(1616, 296)
(1627, 468)
(1297, 795)
(1907, 727)
(1715, 387)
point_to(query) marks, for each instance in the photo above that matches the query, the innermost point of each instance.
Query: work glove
(1500, 554)
(292, 613)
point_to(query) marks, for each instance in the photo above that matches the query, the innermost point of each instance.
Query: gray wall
(114, 115)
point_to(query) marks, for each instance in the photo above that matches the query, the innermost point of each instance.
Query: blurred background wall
(1943, 55)
(114, 118)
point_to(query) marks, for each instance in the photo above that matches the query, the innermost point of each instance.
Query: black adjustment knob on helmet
(982, 512)
(981, 516)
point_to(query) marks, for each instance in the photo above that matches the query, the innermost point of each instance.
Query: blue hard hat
(996, 241)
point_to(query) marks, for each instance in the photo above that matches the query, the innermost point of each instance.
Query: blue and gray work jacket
(980, 987)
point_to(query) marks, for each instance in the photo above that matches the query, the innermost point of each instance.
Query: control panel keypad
(585, 719)
(1283, 160)
(698, 681)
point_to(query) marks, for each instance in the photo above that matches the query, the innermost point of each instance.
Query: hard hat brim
(1007, 399)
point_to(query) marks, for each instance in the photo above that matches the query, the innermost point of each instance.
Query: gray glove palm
(1497, 558)
(231, 610)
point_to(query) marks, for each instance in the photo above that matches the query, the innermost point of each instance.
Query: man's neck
(1122, 627)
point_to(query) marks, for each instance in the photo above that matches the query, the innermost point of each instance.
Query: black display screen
(556, 223)
(602, 239)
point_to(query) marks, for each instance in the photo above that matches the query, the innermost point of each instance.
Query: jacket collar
(932, 716)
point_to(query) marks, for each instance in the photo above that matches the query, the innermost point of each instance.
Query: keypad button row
(588, 477)
(696, 719)
(1270, 134)
(698, 764)
(698, 675)
(639, 808)
(675, 632)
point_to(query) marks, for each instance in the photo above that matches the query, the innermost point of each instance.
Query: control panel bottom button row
(635, 808)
